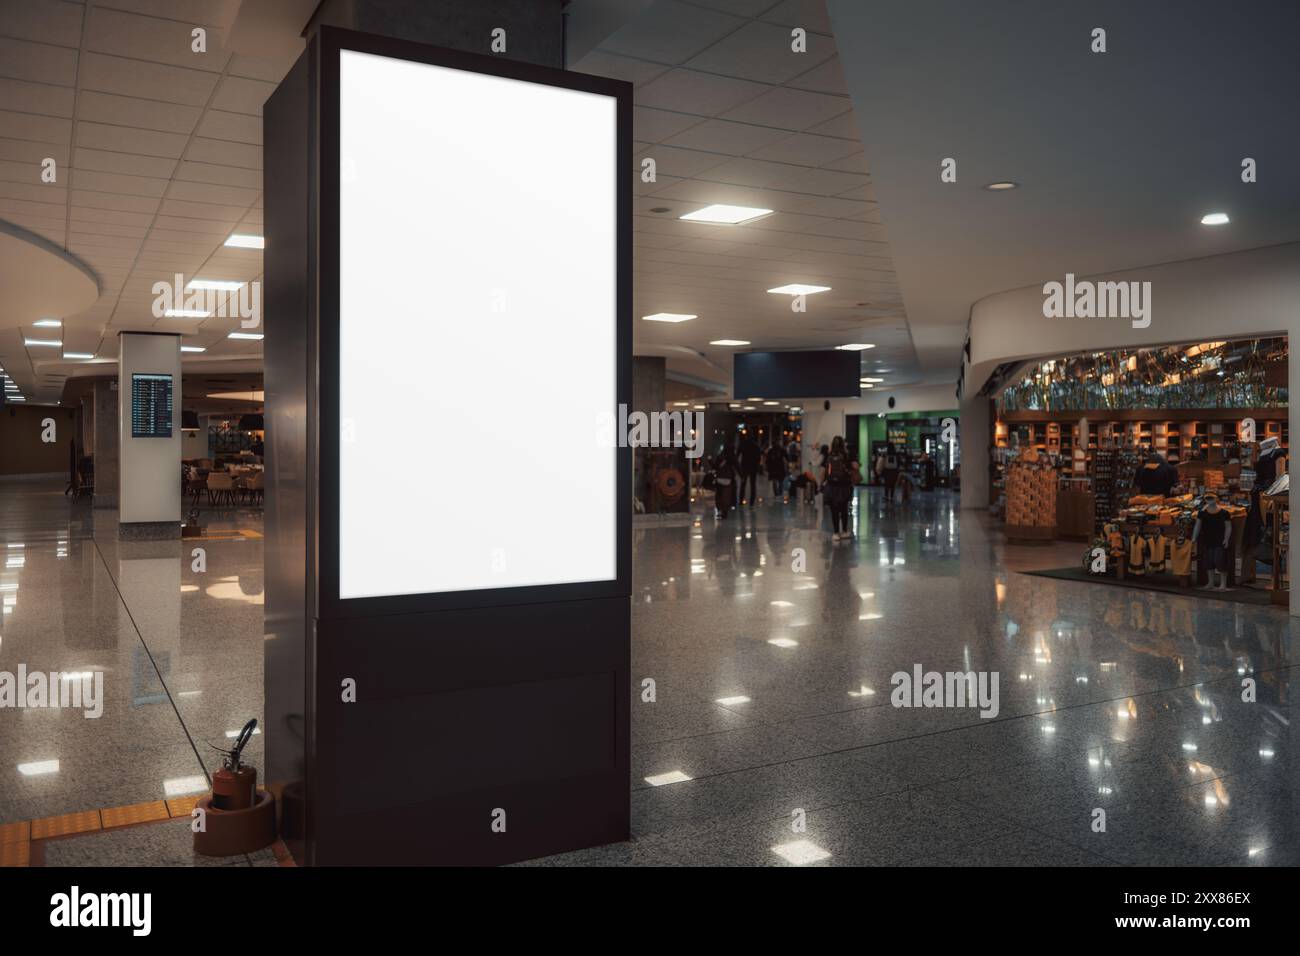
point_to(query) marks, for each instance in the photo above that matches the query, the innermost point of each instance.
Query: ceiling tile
(655, 126)
(809, 14)
(222, 153)
(25, 97)
(210, 193)
(702, 94)
(40, 210)
(151, 39)
(239, 95)
(124, 139)
(152, 81)
(721, 136)
(37, 62)
(739, 8)
(87, 214)
(260, 68)
(131, 111)
(220, 175)
(743, 172)
(207, 227)
(843, 126)
(761, 52)
(201, 210)
(853, 163)
(679, 162)
(117, 183)
(231, 127)
(95, 200)
(34, 192)
(790, 109)
(128, 163)
(826, 78)
(46, 21)
(23, 151)
(636, 72)
(806, 149)
(670, 32)
(45, 129)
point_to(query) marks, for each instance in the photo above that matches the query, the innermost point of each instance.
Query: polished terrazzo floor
(171, 642)
(771, 650)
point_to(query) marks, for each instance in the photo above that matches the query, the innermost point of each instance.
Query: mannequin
(1213, 530)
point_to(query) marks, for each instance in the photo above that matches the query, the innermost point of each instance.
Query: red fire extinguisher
(235, 784)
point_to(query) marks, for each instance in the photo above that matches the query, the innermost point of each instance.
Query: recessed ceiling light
(728, 215)
(251, 336)
(729, 342)
(732, 701)
(865, 385)
(873, 380)
(244, 241)
(185, 314)
(48, 324)
(771, 403)
(748, 408)
(799, 288)
(1214, 219)
(681, 404)
(1001, 186)
(48, 343)
(855, 347)
(76, 356)
(216, 285)
(667, 317)
(193, 348)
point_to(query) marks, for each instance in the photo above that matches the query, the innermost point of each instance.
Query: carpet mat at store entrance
(1238, 595)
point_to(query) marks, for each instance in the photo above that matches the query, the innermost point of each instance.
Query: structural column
(149, 435)
(104, 442)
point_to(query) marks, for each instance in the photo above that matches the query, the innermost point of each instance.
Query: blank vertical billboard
(478, 286)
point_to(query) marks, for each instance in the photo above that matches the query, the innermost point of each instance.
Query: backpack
(838, 471)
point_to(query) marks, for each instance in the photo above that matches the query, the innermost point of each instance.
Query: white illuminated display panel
(477, 331)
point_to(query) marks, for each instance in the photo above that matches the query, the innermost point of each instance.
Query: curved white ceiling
(40, 279)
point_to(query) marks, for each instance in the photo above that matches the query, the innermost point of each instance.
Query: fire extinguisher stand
(236, 817)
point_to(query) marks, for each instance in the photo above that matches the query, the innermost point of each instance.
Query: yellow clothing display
(1137, 549)
(1156, 557)
(1181, 556)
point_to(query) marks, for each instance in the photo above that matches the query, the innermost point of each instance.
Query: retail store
(1169, 462)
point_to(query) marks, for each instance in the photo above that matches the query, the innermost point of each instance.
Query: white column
(149, 469)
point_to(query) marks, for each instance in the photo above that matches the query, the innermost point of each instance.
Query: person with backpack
(724, 477)
(887, 467)
(839, 477)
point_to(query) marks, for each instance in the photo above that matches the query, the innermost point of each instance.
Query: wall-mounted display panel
(151, 406)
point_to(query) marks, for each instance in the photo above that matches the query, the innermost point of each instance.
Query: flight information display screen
(151, 406)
